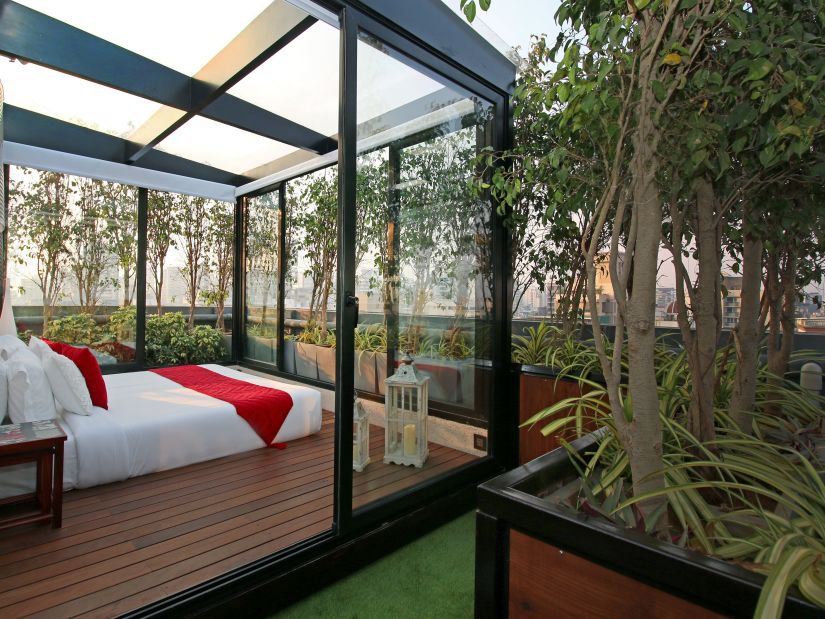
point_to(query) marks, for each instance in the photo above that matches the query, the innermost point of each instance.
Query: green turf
(431, 577)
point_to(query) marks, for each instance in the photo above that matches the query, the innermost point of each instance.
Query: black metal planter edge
(505, 503)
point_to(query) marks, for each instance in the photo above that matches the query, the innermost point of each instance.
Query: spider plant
(755, 499)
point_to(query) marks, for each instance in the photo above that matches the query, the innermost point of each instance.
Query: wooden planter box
(536, 559)
(538, 389)
(445, 378)
(365, 371)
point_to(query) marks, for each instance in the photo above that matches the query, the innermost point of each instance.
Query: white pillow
(39, 347)
(9, 344)
(30, 396)
(68, 385)
(7, 326)
(4, 392)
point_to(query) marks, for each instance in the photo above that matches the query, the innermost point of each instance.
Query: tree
(220, 241)
(317, 218)
(40, 226)
(191, 214)
(118, 208)
(160, 238)
(262, 225)
(89, 252)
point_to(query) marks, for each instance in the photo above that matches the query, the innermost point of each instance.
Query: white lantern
(405, 403)
(360, 437)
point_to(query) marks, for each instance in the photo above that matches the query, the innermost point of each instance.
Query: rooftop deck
(128, 544)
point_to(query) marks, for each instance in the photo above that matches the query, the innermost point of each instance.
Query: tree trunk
(127, 296)
(706, 314)
(746, 335)
(642, 437)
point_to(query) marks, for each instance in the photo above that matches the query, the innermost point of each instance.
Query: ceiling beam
(33, 129)
(273, 29)
(32, 36)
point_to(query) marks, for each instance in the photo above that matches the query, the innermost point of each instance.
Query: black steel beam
(38, 38)
(276, 26)
(27, 127)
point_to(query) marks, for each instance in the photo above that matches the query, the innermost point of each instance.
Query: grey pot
(289, 356)
(260, 348)
(326, 363)
(467, 370)
(380, 370)
(365, 371)
(306, 362)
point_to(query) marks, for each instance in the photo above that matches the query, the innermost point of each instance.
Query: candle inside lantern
(409, 439)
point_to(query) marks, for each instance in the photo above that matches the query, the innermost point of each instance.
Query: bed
(154, 424)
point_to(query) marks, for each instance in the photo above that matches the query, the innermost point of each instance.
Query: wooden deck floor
(131, 543)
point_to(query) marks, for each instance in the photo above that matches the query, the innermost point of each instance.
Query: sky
(514, 21)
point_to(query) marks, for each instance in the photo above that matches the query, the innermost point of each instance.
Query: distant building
(731, 300)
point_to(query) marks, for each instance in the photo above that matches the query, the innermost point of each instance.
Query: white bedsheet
(154, 424)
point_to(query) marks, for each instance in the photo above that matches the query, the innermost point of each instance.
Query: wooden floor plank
(131, 543)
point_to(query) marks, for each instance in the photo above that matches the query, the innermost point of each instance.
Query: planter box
(380, 370)
(326, 363)
(537, 559)
(260, 348)
(365, 373)
(468, 371)
(289, 356)
(306, 363)
(536, 392)
(445, 378)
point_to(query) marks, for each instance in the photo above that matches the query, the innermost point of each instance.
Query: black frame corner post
(345, 315)
(492, 563)
(282, 268)
(140, 276)
(239, 281)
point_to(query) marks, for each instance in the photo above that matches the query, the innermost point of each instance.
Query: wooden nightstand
(40, 442)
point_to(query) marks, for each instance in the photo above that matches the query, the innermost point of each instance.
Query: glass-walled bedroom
(327, 246)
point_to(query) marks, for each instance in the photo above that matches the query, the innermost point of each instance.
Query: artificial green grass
(431, 577)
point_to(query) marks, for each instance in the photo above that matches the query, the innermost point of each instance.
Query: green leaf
(758, 69)
(659, 90)
(470, 11)
(563, 92)
(484, 4)
(792, 130)
(789, 568)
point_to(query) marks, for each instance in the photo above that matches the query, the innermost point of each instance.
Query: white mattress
(154, 424)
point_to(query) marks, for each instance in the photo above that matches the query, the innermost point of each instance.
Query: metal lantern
(405, 403)
(360, 437)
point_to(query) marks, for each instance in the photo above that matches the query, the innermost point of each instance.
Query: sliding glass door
(262, 264)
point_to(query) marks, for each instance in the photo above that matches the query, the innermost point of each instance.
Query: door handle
(352, 301)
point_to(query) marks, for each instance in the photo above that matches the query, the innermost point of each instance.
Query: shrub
(75, 329)
(122, 323)
(169, 342)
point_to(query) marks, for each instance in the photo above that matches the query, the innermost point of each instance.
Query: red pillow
(89, 367)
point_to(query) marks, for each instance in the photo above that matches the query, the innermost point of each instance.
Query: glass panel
(309, 65)
(189, 262)
(312, 259)
(73, 250)
(74, 100)
(263, 220)
(423, 266)
(221, 146)
(181, 35)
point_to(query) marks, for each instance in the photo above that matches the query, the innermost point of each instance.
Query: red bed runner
(263, 408)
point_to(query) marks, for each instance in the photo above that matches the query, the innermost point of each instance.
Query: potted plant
(370, 349)
(289, 353)
(325, 356)
(260, 342)
(306, 360)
